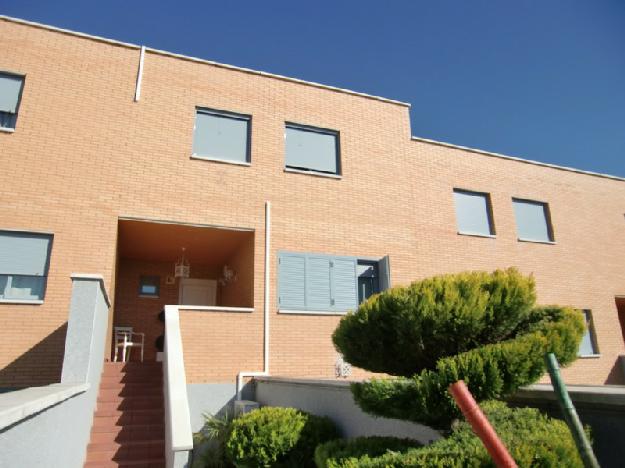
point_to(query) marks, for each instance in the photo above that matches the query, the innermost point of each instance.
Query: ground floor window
(24, 259)
(328, 283)
(588, 346)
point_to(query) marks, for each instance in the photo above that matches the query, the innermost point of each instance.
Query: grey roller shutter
(313, 150)
(221, 136)
(532, 220)
(24, 253)
(10, 87)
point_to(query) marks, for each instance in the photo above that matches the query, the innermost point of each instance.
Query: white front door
(201, 292)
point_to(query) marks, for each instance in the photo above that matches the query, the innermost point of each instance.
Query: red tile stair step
(128, 424)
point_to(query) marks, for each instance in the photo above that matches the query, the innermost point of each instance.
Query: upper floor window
(24, 260)
(588, 345)
(312, 149)
(326, 283)
(533, 220)
(474, 213)
(10, 94)
(222, 136)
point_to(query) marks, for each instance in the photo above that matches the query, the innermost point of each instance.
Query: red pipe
(472, 412)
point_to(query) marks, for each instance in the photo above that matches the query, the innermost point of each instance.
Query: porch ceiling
(161, 242)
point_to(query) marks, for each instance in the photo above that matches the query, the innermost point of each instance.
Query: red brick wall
(84, 154)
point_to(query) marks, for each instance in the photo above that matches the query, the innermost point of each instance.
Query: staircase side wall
(53, 431)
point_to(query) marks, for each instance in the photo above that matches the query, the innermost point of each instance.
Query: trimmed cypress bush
(533, 439)
(338, 453)
(479, 327)
(405, 330)
(277, 437)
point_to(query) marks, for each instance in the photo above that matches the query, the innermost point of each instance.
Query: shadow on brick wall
(40, 365)
(616, 376)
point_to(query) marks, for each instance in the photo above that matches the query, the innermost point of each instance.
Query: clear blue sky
(541, 80)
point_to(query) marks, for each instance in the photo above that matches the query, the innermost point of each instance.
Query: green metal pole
(570, 415)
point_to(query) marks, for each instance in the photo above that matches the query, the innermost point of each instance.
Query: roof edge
(204, 61)
(517, 159)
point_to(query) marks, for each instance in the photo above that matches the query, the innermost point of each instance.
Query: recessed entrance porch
(221, 264)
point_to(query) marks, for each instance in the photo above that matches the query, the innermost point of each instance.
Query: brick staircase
(128, 425)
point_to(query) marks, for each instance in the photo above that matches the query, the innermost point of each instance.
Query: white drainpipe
(242, 375)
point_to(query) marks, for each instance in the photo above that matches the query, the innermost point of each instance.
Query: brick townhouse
(129, 162)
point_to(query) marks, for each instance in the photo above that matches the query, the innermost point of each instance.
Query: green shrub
(270, 437)
(479, 327)
(490, 371)
(339, 452)
(533, 440)
(405, 330)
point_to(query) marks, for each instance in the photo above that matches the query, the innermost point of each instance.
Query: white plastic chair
(124, 339)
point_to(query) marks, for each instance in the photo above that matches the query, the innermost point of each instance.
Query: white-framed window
(312, 149)
(533, 220)
(11, 86)
(24, 262)
(222, 136)
(588, 345)
(474, 213)
(149, 286)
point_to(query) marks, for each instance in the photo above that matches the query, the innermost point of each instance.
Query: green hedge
(338, 453)
(533, 439)
(491, 372)
(277, 437)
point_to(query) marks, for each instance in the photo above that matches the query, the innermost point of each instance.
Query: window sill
(218, 160)
(309, 312)
(148, 296)
(589, 356)
(313, 173)
(475, 234)
(247, 310)
(533, 241)
(7, 130)
(21, 301)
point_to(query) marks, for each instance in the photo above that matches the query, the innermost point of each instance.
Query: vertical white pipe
(241, 375)
(267, 283)
(139, 74)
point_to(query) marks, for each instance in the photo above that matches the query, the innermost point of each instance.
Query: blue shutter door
(292, 281)
(344, 284)
(318, 283)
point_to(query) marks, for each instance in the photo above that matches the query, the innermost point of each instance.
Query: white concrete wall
(334, 399)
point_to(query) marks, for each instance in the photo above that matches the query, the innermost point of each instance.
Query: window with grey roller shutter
(310, 149)
(221, 136)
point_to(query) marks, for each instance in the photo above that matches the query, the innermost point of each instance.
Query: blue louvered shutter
(292, 281)
(23, 253)
(344, 283)
(318, 283)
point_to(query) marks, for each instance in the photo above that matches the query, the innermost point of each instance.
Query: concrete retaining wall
(334, 399)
